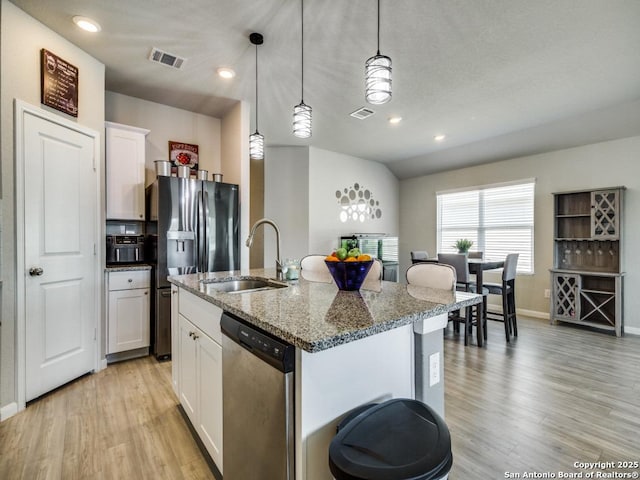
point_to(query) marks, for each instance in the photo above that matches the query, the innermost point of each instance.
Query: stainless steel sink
(243, 285)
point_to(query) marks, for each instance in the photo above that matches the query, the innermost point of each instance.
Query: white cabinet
(200, 368)
(128, 310)
(188, 366)
(125, 161)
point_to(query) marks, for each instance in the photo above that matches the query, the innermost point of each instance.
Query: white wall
(606, 164)
(235, 166)
(286, 187)
(300, 195)
(21, 39)
(330, 172)
(167, 123)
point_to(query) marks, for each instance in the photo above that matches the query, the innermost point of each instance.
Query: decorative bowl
(349, 275)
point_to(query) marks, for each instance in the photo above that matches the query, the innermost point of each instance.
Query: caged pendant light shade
(378, 75)
(256, 140)
(302, 112)
(256, 146)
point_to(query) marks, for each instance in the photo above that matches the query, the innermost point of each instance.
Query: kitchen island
(351, 348)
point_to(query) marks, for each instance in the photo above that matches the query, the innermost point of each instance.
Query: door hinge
(95, 334)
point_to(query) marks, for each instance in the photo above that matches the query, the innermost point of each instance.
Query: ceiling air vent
(167, 59)
(362, 113)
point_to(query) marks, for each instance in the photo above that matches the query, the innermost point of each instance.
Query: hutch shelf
(586, 278)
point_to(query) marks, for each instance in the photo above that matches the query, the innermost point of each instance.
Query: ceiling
(501, 78)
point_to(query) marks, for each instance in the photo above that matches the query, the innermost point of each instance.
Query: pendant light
(378, 75)
(302, 112)
(256, 140)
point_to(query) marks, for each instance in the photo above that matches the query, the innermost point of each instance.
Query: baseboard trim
(8, 411)
(545, 316)
(632, 330)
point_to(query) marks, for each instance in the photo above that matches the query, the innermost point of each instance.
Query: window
(498, 219)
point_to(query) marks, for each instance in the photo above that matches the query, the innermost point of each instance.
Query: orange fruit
(364, 257)
(351, 259)
(331, 258)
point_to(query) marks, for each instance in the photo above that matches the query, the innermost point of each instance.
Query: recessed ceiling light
(87, 24)
(394, 120)
(439, 138)
(226, 72)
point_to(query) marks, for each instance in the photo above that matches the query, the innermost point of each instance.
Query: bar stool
(419, 256)
(400, 439)
(460, 262)
(507, 289)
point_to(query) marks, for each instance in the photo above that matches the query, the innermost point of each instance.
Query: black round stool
(400, 439)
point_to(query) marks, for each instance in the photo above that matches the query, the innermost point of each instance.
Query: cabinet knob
(130, 280)
(36, 271)
(191, 334)
(195, 337)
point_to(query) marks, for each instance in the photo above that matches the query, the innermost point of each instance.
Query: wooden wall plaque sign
(58, 83)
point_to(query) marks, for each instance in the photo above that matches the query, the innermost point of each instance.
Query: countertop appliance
(257, 403)
(125, 249)
(378, 245)
(192, 226)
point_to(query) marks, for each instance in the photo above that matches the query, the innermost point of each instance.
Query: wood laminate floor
(555, 396)
(121, 423)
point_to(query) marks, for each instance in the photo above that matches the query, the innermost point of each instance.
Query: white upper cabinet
(125, 159)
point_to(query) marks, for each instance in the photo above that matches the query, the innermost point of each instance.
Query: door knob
(36, 271)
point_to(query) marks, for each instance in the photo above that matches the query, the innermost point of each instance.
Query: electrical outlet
(547, 293)
(434, 369)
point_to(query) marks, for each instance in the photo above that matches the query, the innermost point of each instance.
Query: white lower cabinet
(199, 368)
(128, 311)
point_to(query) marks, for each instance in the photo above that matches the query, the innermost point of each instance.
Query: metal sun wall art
(357, 204)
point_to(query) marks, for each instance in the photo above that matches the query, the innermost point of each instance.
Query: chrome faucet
(249, 242)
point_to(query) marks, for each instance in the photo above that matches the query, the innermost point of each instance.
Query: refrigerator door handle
(200, 238)
(205, 233)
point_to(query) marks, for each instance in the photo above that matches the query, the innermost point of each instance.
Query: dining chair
(507, 289)
(460, 262)
(313, 268)
(432, 275)
(419, 255)
(374, 276)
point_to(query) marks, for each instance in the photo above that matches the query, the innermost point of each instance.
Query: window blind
(498, 219)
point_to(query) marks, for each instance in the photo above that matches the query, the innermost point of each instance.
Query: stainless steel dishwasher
(258, 403)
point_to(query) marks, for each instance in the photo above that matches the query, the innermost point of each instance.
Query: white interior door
(59, 253)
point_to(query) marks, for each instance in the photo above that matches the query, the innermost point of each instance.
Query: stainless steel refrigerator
(192, 226)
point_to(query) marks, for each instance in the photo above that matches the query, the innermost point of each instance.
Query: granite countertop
(127, 267)
(316, 316)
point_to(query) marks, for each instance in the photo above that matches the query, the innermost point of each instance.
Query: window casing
(497, 218)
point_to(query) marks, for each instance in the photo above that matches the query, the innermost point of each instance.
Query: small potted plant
(463, 245)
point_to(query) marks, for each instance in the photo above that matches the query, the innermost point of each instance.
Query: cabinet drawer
(129, 280)
(204, 315)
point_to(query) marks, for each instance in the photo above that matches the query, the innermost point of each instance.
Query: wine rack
(586, 277)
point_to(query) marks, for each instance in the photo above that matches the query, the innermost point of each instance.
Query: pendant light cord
(256, 87)
(378, 27)
(302, 50)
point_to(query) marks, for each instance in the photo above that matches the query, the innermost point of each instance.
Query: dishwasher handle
(272, 350)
